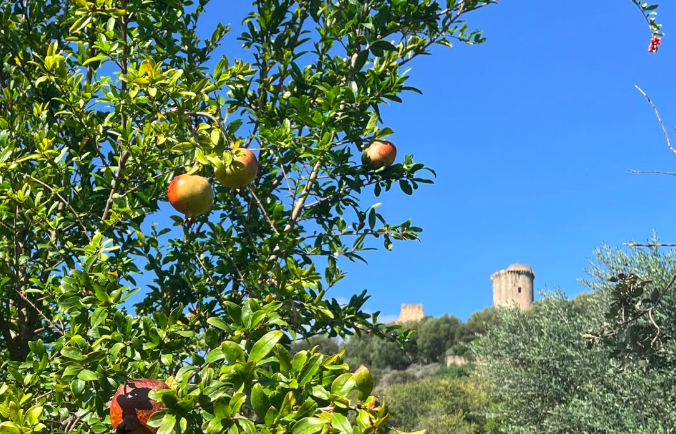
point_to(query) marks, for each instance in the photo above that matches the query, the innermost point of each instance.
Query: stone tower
(513, 285)
(410, 313)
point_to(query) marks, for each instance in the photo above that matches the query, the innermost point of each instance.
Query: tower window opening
(519, 290)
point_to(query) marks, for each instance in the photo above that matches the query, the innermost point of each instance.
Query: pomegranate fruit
(191, 195)
(241, 171)
(131, 407)
(380, 153)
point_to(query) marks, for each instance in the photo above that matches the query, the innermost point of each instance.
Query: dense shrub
(441, 406)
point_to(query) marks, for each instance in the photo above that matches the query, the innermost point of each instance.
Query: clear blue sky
(531, 135)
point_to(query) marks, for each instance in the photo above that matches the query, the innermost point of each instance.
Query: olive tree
(102, 104)
(547, 381)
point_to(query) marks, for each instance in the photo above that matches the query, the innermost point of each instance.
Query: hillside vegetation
(534, 372)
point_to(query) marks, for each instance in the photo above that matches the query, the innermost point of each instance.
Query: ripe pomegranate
(380, 153)
(241, 171)
(131, 408)
(191, 195)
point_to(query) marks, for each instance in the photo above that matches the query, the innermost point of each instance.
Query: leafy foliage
(639, 324)
(548, 381)
(649, 12)
(102, 103)
(431, 341)
(442, 406)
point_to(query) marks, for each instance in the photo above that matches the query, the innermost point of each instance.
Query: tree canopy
(102, 104)
(549, 380)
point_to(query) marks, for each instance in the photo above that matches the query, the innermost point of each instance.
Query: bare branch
(652, 172)
(648, 245)
(659, 119)
(206, 270)
(27, 300)
(124, 154)
(260, 205)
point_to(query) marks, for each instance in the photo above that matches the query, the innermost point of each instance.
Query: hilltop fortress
(511, 286)
(410, 313)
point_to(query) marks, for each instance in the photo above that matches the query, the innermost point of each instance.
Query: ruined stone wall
(456, 360)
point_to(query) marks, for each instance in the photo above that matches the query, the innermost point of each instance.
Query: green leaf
(264, 345)
(271, 416)
(247, 426)
(342, 385)
(33, 415)
(17, 375)
(80, 24)
(259, 401)
(339, 421)
(215, 355)
(72, 353)
(168, 423)
(9, 428)
(218, 323)
(215, 136)
(309, 370)
(37, 83)
(93, 59)
(284, 359)
(233, 352)
(287, 404)
(309, 425)
(405, 187)
(372, 125)
(87, 375)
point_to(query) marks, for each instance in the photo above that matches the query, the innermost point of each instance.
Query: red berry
(655, 43)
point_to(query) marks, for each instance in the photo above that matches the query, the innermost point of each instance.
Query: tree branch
(648, 245)
(300, 204)
(260, 205)
(652, 172)
(65, 203)
(659, 119)
(7, 336)
(116, 184)
(123, 120)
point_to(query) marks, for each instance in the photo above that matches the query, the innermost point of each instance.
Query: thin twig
(154, 178)
(123, 122)
(116, 184)
(66, 203)
(286, 176)
(648, 245)
(659, 119)
(207, 115)
(300, 204)
(27, 300)
(260, 205)
(655, 304)
(652, 172)
(206, 270)
(659, 330)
